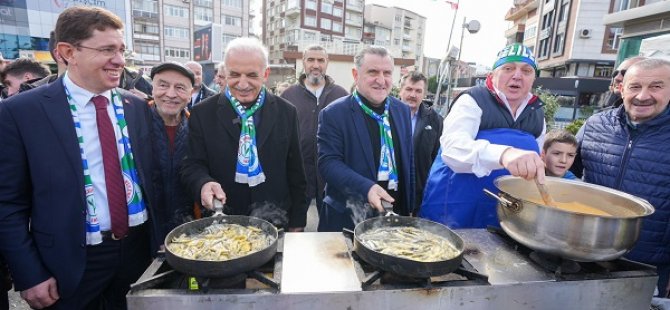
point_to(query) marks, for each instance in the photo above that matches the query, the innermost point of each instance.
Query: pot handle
(218, 207)
(505, 200)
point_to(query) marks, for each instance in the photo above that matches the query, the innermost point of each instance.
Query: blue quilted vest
(457, 199)
(635, 161)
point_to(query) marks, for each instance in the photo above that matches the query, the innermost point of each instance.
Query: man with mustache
(491, 130)
(613, 99)
(627, 149)
(76, 174)
(315, 90)
(426, 129)
(244, 146)
(365, 147)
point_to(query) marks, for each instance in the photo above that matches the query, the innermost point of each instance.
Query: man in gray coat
(314, 91)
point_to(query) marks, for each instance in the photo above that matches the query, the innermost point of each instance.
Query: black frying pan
(402, 266)
(220, 269)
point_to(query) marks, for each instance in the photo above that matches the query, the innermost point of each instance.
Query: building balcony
(145, 15)
(514, 30)
(292, 11)
(354, 22)
(354, 7)
(521, 8)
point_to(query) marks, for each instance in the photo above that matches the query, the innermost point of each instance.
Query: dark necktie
(116, 193)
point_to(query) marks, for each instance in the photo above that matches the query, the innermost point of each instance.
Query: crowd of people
(100, 163)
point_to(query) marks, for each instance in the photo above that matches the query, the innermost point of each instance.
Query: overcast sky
(481, 47)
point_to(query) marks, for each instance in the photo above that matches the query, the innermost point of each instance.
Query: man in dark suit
(426, 129)
(365, 147)
(244, 142)
(73, 193)
(200, 90)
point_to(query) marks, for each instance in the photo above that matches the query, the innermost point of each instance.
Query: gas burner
(160, 275)
(554, 263)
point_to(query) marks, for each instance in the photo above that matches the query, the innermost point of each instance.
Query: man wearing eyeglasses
(74, 194)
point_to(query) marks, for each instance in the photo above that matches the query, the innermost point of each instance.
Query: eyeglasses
(616, 72)
(107, 51)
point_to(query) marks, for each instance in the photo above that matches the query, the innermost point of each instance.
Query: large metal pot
(402, 266)
(219, 269)
(571, 235)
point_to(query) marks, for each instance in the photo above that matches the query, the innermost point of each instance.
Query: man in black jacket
(314, 91)
(200, 91)
(244, 147)
(426, 129)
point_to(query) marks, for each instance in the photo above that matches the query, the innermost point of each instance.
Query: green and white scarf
(248, 169)
(137, 212)
(387, 164)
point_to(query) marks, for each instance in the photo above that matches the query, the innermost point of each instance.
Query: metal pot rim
(646, 206)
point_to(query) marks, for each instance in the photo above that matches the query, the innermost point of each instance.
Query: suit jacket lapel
(420, 124)
(268, 119)
(361, 130)
(228, 118)
(57, 109)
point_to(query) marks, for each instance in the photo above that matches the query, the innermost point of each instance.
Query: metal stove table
(317, 271)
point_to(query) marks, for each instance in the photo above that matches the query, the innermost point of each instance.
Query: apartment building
(639, 27)
(166, 30)
(524, 19)
(568, 36)
(408, 30)
(292, 25)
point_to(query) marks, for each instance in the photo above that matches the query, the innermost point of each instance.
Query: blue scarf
(248, 169)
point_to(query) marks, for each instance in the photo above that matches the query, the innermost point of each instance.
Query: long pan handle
(218, 207)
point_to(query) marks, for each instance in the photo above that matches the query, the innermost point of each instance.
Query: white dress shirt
(89, 129)
(460, 151)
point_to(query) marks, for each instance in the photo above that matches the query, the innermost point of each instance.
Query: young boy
(558, 153)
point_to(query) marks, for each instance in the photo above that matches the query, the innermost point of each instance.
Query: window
(145, 27)
(146, 6)
(309, 36)
(337, 11)
(231, 20)
(531, 32)
(177, 52)
(204, 3)
(398, 18)
(232, 3)
(565, 10)
(544, 48)
(396, 41)
(175, 11)
(147, 48)
(310, 4)
(559, 42)
(310, 21)
(202, 14)
(176, 32)
(614, 37)
(326, 23)
(337, 26)
(326, 8)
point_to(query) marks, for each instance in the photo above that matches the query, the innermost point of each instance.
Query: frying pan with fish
(221, 269)
(402, 266)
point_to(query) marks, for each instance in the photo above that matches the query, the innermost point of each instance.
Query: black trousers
(110, 269)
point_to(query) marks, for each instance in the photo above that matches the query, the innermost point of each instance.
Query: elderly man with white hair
(244, 145)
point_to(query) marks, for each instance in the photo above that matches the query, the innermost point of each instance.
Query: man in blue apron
(491, 130)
